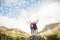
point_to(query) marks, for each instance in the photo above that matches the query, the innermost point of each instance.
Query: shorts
(35, 27)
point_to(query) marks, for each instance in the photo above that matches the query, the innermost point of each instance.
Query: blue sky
(12, 8)
(15, 13)
(11, 14)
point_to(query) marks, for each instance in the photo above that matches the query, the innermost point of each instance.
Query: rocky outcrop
(36, 37)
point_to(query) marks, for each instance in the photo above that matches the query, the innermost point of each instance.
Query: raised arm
(36, 21)
(29, 22)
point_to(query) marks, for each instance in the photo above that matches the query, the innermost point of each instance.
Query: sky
(15, 13)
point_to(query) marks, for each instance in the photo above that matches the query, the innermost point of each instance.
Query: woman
(33, 26)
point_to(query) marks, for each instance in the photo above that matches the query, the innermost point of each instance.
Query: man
(33, 26)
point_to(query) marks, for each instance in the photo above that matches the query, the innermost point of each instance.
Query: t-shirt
(33, 25)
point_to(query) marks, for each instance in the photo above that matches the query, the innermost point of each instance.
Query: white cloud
(48, 12)
(14, 23)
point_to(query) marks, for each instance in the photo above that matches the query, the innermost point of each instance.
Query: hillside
(51, 31)
(50, 26)
(12, 34)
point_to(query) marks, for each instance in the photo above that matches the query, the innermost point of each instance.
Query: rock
(36, 37)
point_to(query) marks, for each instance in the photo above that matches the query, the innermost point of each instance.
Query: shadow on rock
(36, 37)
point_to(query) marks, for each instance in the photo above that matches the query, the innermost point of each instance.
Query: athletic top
(33, 26)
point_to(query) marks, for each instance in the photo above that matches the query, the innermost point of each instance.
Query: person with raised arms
(33, 26)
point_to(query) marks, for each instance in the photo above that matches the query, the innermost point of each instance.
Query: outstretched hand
(36, 21)
(29, 22)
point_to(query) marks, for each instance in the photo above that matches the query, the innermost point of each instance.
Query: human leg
(32, 31)
(35, 30)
